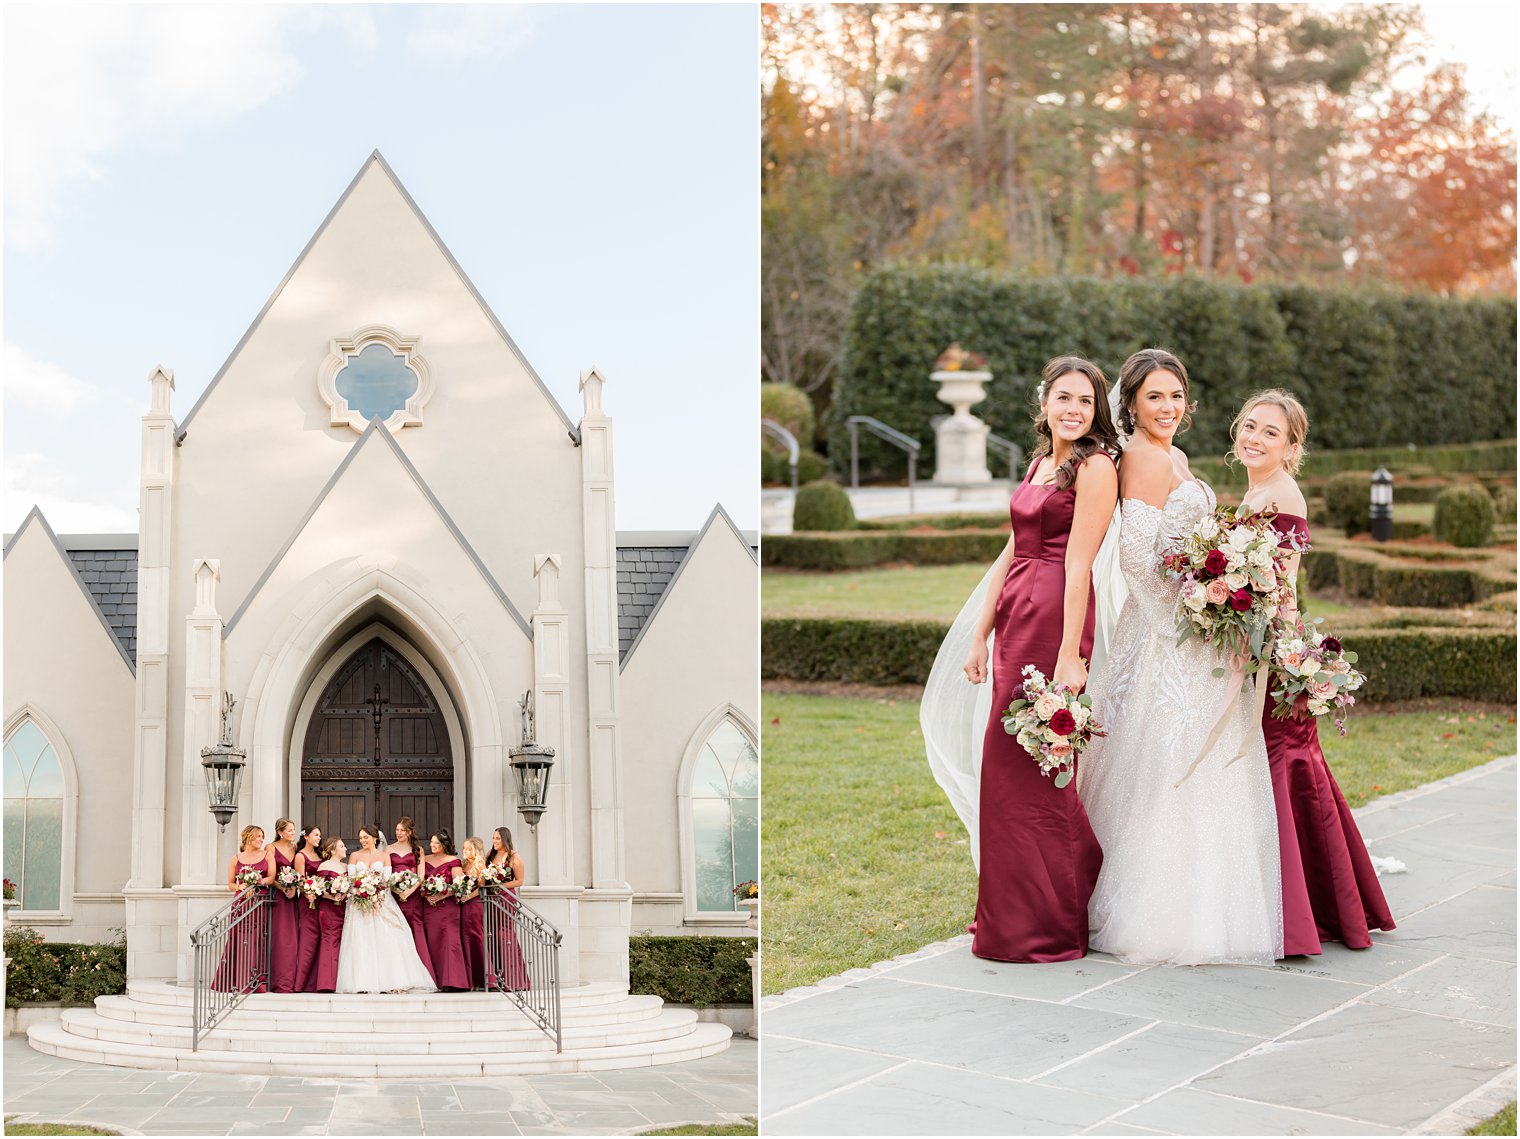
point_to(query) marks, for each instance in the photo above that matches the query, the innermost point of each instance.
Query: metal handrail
(786, 437)
(522, 959)
(891, 435)
(1015, 453)
(231, 950)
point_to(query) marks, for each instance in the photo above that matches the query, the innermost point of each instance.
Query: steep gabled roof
(647, 618)
(36, 516)
(376, 429)
(376, 158)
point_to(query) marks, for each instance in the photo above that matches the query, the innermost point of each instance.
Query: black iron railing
(231, 950)
(522, 959)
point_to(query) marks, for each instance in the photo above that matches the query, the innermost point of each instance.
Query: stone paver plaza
(718, 1088)
(1416, 1035)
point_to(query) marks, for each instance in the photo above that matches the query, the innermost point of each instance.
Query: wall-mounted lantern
(531, 763)
(224, 768)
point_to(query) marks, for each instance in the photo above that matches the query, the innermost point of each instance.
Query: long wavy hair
(1132, 376)
(412, 840)
(506, 845)
(1101, 438)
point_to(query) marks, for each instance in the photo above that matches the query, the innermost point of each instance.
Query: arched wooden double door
(352, 773)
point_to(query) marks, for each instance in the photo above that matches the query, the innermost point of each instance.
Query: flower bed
(63, 971)
(697, 971)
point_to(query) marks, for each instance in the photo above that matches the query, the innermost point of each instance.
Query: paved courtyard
(1415, 1035)
(719, 1088)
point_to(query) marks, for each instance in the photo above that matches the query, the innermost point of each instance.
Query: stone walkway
(720, 1088)
(1416, 1035)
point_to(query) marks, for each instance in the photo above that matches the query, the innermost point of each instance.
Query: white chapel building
(377, 509)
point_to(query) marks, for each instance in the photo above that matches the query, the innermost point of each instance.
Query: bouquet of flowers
(744, 891)
(1052, 723)
(337, 888)
(248, 877)
(404, 881)
(367, 887)
(1231, 575)
(10, 890)
(312, 888)
(494, 875)
(462, 887)
(287, 878)
(1312, 676)
(435, 886)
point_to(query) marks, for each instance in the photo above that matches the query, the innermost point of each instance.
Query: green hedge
(822, 506)
(64, 971)
(775, 467)
(698, 971)
(854, 548)
(1465, 515)
(1375, 371)
(1409, 575)
(1476, 661)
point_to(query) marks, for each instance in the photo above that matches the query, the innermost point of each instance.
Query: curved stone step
(170, 993)
(255, 1015)
(54, 1039)
(440, 1039)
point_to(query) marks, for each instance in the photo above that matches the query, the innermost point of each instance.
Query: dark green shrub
(1400, 664)
(1504, 504)
(854, 549)
(64, 971)
(774, 467)
(856, 651)
(1348, 500)
(789, 406)
(822, 505)
(698, 971)
(1464, 515)
(1441, 587)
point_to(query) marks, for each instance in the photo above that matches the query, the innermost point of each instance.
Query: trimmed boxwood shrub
(69, 972)
(698, 971)
(1373, 369)
(789, 406)
(774, 467)
(1464, 515)
(1474, 662)
(1348, 501)
(855, 549)
(823, 505)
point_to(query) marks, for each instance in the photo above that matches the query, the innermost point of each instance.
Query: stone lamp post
(960, 439)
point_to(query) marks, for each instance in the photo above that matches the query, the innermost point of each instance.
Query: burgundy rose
(1063, 723)
(1330, 645)
(1216, 563)
(1240, 601)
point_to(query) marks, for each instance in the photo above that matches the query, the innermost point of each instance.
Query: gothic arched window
(35, 797)
(721, 819)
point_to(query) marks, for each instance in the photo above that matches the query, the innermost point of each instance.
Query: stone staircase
(379, 1035)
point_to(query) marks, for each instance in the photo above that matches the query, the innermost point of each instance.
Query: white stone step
(170, 993)
(439, 1038)
(54, 1039)
(253, 1014)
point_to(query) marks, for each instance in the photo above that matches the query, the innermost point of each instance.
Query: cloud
(450, 32)
(35, 383)
(33, 479)
(83, 82)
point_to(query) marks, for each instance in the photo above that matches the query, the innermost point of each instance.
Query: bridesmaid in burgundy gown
(308, 858)
(330, 918)
(1330, 890)
(472, 924)
(1039, 858)
(505, 966)
(241, 958)
(440, 918)
(412, 906)
(284, 916)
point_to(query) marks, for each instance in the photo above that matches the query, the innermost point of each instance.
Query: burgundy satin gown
(1039, 856)
(330, 920)
(1330, 891)
(412, 909)
(241, 957)
(284, 932)
(440, 921)
(309, 935)
(506, 968)
(472, 933)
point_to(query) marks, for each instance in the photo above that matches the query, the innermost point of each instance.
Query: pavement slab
(1401, 1038)
(716, 1089)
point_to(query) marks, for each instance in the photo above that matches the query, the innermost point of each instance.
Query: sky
(593, 168)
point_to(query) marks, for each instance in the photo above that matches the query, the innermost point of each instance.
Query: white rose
(1081, 714)
(1261, 557)
(1240, 539)
(1196, 600)
(1235, 580)
(1048, 705)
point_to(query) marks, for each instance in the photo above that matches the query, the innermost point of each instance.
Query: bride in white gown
(377, 953)
(1190, 873)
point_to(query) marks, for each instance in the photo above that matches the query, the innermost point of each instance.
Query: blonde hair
(246, 835)
(1294, 415)
(281, 824)
(480, 849)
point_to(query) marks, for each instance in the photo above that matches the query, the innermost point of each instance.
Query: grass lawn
(897, 591)
(57, 1129)
(1501, 1124)
(864, 859)
(750, 1128)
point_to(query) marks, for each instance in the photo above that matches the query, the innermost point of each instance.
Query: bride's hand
(1072, 673)
(975, 667)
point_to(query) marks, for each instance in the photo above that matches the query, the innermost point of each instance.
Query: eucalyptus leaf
(1063, 777)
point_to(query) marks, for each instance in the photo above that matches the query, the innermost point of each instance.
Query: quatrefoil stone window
(375, 374)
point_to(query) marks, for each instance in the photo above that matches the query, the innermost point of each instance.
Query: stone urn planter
(960, 439)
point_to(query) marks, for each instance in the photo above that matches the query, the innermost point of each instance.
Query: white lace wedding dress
(377, 953)
(1191, 873)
